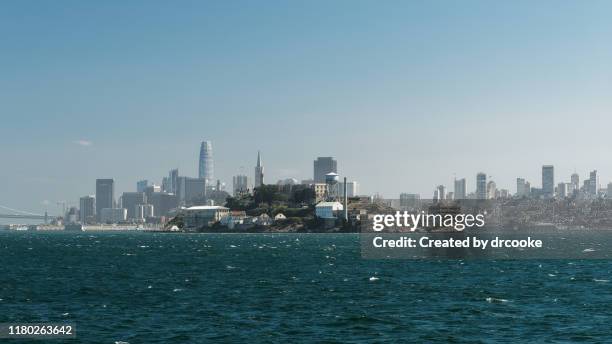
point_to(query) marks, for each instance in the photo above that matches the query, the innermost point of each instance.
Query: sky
(406, 95)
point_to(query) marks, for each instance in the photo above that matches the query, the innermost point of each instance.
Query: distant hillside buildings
(487, 189)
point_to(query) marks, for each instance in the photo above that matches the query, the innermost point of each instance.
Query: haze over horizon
(404, 95)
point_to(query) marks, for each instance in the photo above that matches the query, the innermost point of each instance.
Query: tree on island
(269, 194)
(242, 202)
(303, 195)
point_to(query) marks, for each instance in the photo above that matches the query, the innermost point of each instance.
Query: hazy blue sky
(403, 94)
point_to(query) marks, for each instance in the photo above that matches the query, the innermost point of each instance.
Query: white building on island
(328, 210)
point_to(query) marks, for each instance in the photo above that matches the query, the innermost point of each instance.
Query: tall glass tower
(481, 186)
(206, 170)
(548, 181)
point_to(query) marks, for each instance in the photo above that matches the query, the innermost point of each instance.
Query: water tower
(331, 179)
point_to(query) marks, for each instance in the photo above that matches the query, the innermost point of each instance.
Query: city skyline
(404, 95)
(485, 188)
(432, 189)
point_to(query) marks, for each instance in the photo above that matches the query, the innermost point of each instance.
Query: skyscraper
(521, 187)
(240, 184)
(105, 195)
(460, 188)
(87, 209)
(144, 211)
(491, 190)
(163, 203)
(129, 201)
(173, 181)
(527, 188)
(165, 184)
(141, 185)
(571, 189)
(323, 166)
(206, 170)
(575, 179)
(441, 190)
(481, 186)
(592, 189)
(190, 189)
(352, 189)
(259, 172)
(548, 181)
(561, 190)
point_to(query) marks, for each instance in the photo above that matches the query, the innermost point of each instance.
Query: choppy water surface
(185, 288)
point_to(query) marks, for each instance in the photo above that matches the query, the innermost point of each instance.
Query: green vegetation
(296, 202)
(291, 200)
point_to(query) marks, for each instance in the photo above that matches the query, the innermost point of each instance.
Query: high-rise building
(520, 187)
(144, 211)
(323, 166)
(141, 185)
(191, 189)
(163, 203)
(150, 191)
(259, 172)
(441, 191)
(206, 170)
(523, 188)
(481, 186)
(609, 191)
(592, 189)
(491, 190)
(548, 181)
(165, 187)
(460, 188)
(528, 188)
(129, 201)
(173, 176)
(575, 180)
(352, 189)
(87, 209)
(240, 185)
(105, 195)
(571, 189)
(561, 190)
